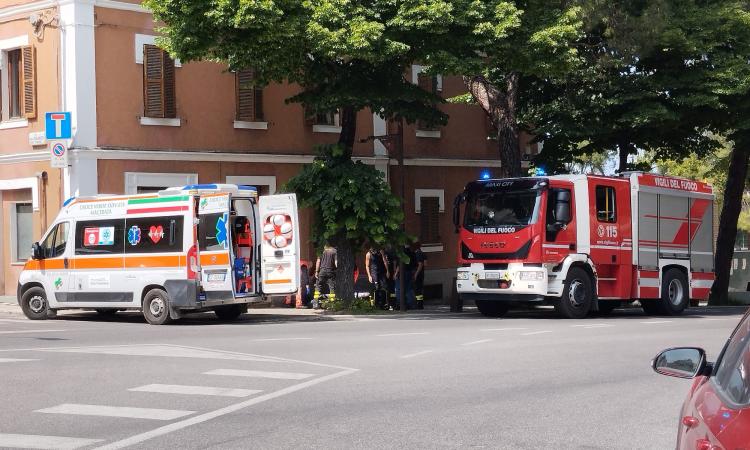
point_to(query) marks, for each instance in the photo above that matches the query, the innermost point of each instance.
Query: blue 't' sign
(58, 125)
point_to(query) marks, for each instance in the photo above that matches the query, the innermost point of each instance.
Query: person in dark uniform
(375, 266)
(419, 258)
(390, 270)
(325, 272)
(408, 275)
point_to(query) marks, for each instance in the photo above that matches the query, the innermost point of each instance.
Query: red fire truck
(585, 243)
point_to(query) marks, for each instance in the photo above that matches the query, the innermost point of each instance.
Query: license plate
(492, 276)
(217, 276)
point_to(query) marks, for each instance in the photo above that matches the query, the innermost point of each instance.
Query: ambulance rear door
(214, 244)
(279, 244)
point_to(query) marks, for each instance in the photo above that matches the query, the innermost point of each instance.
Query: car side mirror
(36, 251)
(680, 362)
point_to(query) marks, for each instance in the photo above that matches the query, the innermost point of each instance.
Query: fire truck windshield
(501, 207)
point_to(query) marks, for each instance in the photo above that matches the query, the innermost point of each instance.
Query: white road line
(657, 321)
(166, 351)
(44, 442)
(502, 329)
(115, 411)
(482, 341)
(20, 321)
(594, 325)
(259, 374)
(30, 331)
(2, 360)
(412, 355)
(402, 334)
(195, 390)
(723, 318)
(284, 339)
(127, 442)
(536, 332)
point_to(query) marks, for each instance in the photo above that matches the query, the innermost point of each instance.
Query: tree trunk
(500, 106)
(348, 120)
(730, 213)
(623, 153)
(344, 270)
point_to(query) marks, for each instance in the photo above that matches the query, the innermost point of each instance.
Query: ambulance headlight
(463, 275)
(531, 276)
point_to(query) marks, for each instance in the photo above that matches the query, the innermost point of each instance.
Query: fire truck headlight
(531, 276)
(463, 275)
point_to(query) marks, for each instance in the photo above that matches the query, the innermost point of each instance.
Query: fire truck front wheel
(578, 295)
(674, 292)
(491, 308)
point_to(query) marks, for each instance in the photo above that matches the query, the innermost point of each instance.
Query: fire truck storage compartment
(675, 227)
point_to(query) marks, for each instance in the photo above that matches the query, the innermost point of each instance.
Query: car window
(733, 370)
(57, 239)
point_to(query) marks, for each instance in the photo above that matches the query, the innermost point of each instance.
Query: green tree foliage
(508, 41)
(353, 207)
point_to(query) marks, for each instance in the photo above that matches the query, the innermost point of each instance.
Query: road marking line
(594, 325)
(259, 374)
(284, 339)
(657, 321)
(115, 411)
(167, 351)
(722, 318)
(482, 341)
(43, 442)
(536, 332)
(402, 334)
(195, 390)
(127, 442)
(2, 360)
(502, 329)
(21, 321)
(412, 355)
(30, 331)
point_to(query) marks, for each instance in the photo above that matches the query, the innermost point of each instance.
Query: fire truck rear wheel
(156, 307)
(578, 295)
(491, 308)
(674, 292)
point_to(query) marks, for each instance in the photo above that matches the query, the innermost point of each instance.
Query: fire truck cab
(585, 243)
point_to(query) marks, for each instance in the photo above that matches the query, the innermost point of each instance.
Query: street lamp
(397, 139)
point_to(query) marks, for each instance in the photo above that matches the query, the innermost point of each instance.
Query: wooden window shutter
(28, 65)
(159, 99)
(249, 97)
(429, 220)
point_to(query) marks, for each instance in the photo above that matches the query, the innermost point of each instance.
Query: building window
(330, 119)
(158, 84)
(249, 97)
(429, 220)
(428, 83)
(20, 79)
(605, 204)
(147, 182)
(22, 227)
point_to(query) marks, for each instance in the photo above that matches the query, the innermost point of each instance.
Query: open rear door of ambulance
(279, 247)
(214, 245)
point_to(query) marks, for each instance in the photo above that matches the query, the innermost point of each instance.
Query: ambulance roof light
(486, 175)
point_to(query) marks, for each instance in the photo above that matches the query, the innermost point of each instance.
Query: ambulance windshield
(501, 207)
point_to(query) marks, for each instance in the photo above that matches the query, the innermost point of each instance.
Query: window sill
(18, 263)
(245, 125)
(435, 134)
(14, 123)
(326, 129)
(160, 122)
(432, 248)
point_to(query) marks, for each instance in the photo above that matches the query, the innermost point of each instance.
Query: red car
(716, 413)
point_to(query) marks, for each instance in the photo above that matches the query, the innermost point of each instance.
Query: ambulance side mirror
(562, 207)
(36, 251)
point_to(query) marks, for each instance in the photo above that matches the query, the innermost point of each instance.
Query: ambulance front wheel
(34, 303)
(578, 295)
(156, 307)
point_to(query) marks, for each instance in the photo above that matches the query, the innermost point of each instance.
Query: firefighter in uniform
(325, 272)
(375, 267)
(420, 258)
(390, 272)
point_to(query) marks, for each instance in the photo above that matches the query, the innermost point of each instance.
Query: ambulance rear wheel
(34, 303)
(674, 292)
(229, 312)
(578, 295)
(490, 308)
(156, 307)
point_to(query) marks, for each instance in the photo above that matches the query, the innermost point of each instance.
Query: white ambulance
(195, 248)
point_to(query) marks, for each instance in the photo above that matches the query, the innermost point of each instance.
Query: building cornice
(18, 158)
(26, 8)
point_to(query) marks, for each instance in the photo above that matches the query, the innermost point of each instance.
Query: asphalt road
(527, 381)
